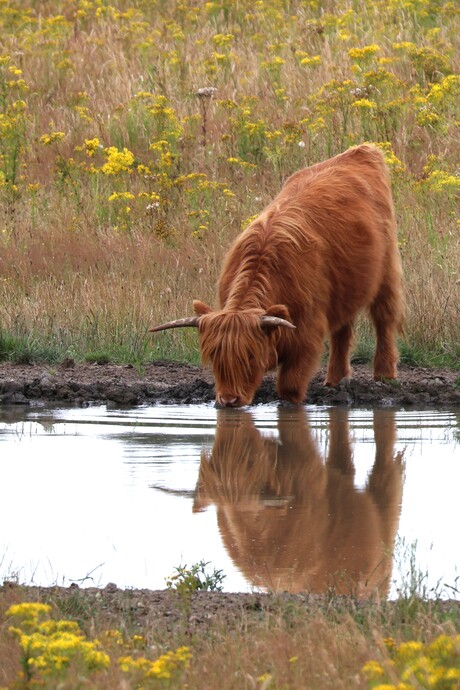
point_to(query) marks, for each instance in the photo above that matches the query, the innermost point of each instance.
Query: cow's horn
(190, 321)
(269, 321)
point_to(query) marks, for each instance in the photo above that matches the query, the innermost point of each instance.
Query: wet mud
(169, 382)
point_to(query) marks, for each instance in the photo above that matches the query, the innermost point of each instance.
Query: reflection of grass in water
(8, 573)
(413, 583)
(13, 575)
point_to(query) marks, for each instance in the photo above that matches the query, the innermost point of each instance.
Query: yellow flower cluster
(91, 146)
(29, 613)
(393, 162)
(167, 122)
(364, 104)
(50, 649)
(440, 181)
(365, 53)
(121, 195)
(117, 161)
(47, 139)
(223, 40)
(166, 667)
(48, 646)
(242, 163)
(414, 664)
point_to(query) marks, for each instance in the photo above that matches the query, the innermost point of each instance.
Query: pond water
(277, 498)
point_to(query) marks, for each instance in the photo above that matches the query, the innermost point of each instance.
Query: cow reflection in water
(294, 521)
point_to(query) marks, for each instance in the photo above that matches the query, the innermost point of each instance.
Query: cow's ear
(276, 316)
(279, 310)
(200, 308)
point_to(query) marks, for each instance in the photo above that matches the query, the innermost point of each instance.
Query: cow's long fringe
(233, 356)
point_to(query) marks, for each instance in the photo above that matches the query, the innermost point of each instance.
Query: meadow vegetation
(68, 642)
(138, 137)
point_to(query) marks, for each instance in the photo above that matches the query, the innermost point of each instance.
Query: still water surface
(286, 499)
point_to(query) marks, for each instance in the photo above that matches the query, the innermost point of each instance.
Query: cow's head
(239, 346)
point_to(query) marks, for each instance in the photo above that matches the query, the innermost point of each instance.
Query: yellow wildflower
(47, 139)
(248, 221)
(223, 40)
(28, 610)
(409, 650)
(91, 146)
(121, 195)
(311, 60)
(440, 180)
(364, 104)
(144, 170)
(117, 161)
(364, 53)
(83, 111)
(165, 667)
(373, 670)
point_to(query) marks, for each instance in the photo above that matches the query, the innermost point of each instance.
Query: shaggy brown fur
(291, 521)
(321, 252)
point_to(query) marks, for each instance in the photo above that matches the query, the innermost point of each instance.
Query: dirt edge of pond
(166, 612)
(169, 382)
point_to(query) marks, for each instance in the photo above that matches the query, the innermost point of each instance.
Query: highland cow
(321, 252)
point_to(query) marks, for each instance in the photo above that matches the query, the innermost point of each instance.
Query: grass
(274, 641)
(125, 173)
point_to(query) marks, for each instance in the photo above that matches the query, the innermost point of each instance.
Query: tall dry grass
(137, 139)
(271, 642)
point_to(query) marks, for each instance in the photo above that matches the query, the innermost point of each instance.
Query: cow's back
(340, 216)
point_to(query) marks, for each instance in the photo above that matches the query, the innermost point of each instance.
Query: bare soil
(169, 382)
(163, 610)
(166, 612)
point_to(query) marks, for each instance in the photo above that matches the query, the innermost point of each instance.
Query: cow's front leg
(294, 377)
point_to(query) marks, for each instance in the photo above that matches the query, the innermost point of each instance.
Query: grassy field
(138, 138)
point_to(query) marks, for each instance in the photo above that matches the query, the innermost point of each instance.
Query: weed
(186, 580)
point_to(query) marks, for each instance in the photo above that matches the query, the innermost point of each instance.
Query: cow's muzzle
(229, 401)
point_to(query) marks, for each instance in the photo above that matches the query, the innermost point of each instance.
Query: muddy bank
(174, 382)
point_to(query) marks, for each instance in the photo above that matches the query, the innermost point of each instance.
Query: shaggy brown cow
(321, 252)
(292, 522)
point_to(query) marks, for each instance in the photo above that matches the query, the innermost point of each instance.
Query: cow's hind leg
(387, 313)
(339, 355)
